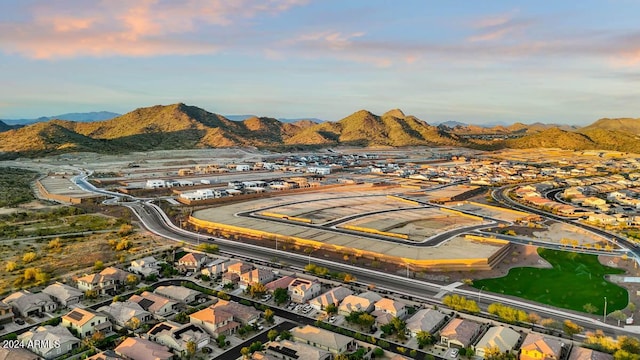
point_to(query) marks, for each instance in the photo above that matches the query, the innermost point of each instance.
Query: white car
(332, 319)
(454, 353)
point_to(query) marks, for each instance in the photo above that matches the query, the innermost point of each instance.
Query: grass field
(575, 280)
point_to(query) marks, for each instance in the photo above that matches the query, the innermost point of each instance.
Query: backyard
(574, 281)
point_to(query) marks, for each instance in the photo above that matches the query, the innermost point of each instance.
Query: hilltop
(180, 126)
(80, 117)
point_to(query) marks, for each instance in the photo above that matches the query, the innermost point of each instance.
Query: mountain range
(80, 117)
(180, 126)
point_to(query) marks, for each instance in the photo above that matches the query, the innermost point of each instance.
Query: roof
(106, 355)
(79, 316)
(192, 258)
(333, 296)
(389, 305)
(145, 260)
(240, 312)
(239, 267)
(124, 311)
(212, 315)
(17, 354)
(62, 291)
(321, 337)
(499, 337)
(280, 283)
(94, 279)
(542, 344)
(179, 293)
(295, 350)
(355, 303)
(115, 273)
(580, 353)
(141, 349)
(460, 330)
(150, 301)
(47, 336)
(24, 300)
(425, 320)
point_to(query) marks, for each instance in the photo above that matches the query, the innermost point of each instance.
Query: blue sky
(470, 61)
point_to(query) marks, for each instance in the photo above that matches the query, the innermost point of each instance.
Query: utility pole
(605, 309)
(479, 291)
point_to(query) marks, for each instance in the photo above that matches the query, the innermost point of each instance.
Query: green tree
(98, 265)
(366, 320)
(618, 315)
(331, 309)
(191, 348)
(590, 308)
(272, 334)
(257, 289)
(133, 323)
(29, 257)
(268, 315)
(280, 295)
(10, 266)
(125, 229)
(245, 352)
(285, 335)
(424, 338)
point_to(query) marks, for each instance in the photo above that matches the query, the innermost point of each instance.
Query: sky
(473, 61)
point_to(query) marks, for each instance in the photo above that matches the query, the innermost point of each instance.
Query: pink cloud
(128, 28)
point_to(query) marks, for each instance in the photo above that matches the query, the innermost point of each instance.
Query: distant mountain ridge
(180, 126)
(80, 117)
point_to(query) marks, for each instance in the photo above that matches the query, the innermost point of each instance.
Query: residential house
(215, 321)
(363, 302)
(142, 349)
(6, 313)
(158, 305)
(192, 262)
(303, 290)
(49, 341)
(119, 276)
(178, 293)
(281, 283)
(176, 336)
(100, 284)
(500, 337)
(122, 313)
(86, 322)
(333, 296)
(216, 267)
(246, 315)
(324, 339)
(289, 350)
(459, 333)
(388, 306)
(28, 304)
(428, 320)
(261, 276)
(63, 294)
(146, 266)
(230, 278)
(540, 347)
(14, 353)
(239, 268)
(580, 353)
(106, 355)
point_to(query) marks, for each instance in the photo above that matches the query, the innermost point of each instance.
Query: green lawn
(575, 280)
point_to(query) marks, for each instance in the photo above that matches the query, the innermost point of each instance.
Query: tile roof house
(242, 313)
(303, 290)
(178, 293)
(323, 339)
(290, 350)
(142, 349)
(156, 304)
(428, 320)
(580, 353)
(540, 347)
(230, 278)
(64, 294)
(216, 267)
(27, 304)
(106, 355)
(239, 268)
(261, 276)
(392, 307)
(215, 321)
(119, 276)
(49, 341)
(86, 322)
(333, 296)
(146, 266)
(176, 336)
(121, 313)
(363, 302)
(102, 285)
(9, 353)
(192, 262)
(459, 333)
(281, 283)
(500, 337)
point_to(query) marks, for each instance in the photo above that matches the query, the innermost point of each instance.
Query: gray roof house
(178, 293)
(121, 313)
(49, 341)
(428, 320)
(27, 304)
(64, 294)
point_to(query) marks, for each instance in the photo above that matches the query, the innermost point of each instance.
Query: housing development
(339, 253)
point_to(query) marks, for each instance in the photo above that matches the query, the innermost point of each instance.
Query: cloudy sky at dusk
(471, 61)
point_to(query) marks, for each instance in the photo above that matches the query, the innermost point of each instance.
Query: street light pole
(310, 252)
(479, 291)
(605, 309)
